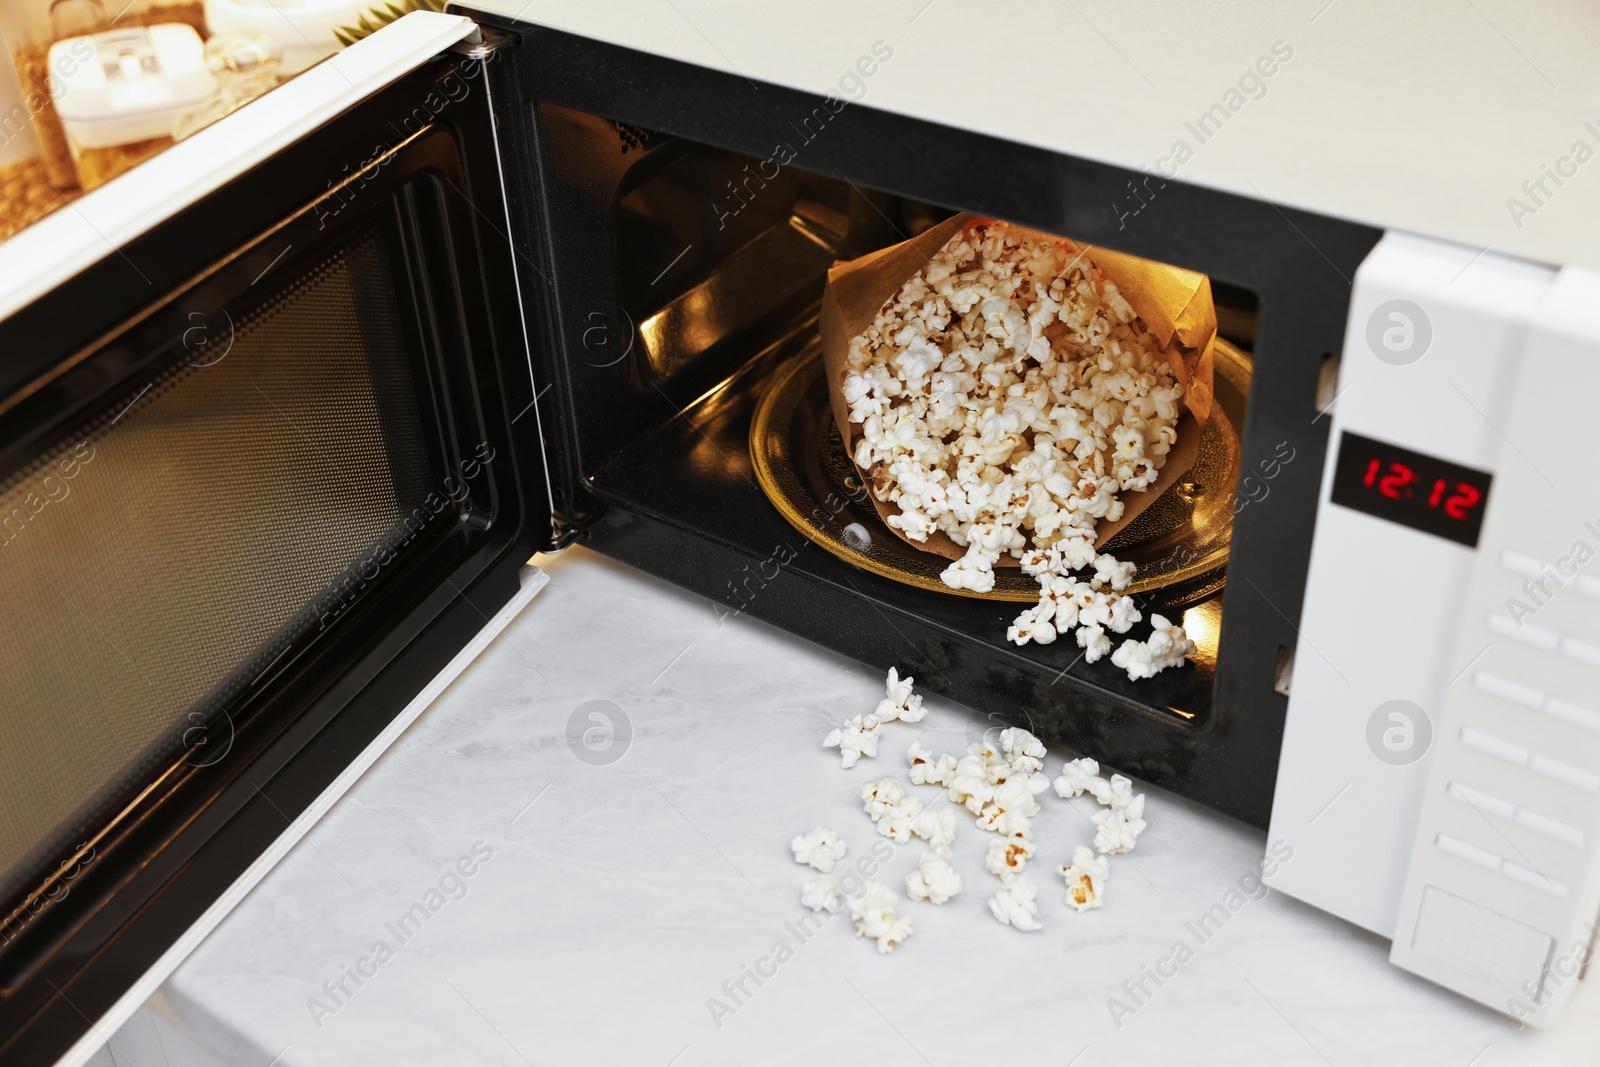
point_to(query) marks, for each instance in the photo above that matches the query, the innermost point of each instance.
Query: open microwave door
(270, 460)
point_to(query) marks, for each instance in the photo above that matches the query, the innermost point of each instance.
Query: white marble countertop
(618, 899)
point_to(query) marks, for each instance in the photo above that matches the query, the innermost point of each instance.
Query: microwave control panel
(1502, 884)
(1431, 348)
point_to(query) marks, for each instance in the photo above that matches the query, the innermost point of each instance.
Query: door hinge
(482, 42)
(564, 533)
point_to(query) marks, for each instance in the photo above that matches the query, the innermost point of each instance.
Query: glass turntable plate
(1180, 543)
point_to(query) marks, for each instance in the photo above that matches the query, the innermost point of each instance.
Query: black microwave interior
(717, 261)
(684, 219)
(714, 328)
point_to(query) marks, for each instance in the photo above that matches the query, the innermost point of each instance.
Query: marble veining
(613, 904)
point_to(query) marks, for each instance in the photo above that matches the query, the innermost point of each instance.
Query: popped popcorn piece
(1006, 822)
(1034, 784)
(818, 849)
(1100, 789)
(898, 822)
(971, 571)
(925, 770)
(1024, 751)
(1013, 805)
(999, 762)
(1117, 828)
(1094, 642)
(1014, 903)
(1113, 572)
(1168, 646)
(934, 880)
(936, 826)
(1082, 776)
(1086, 878)
(895, 813)
(1121, 614)
(880, 795)
(897, 690)
(985, 760)
(875, 918)
(969, 784)
(1006, 395)
(1118, 794)
(899, 702)
(856, 738)
(1035, 624)
(1075, 777)
(1007, 855)
(820, 894)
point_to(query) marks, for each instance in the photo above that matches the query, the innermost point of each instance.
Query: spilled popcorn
(899, 702)
(895, 813)
(1007, 855)
(1014, 904)
(1118, 793)
(818, 849)
(1167, 647)
(875, 917)
(858, 736)
(820, 894)
(1078, 777)
(1023, 752)
(1117, 828)
(936, 826)
(969, 784)
(925, 770)
(1066, 602)
(1085, 877)
(998, 782)
(1091, 608)
(1012, 806)
(934, 880)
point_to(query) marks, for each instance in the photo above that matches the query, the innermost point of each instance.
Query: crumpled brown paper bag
(1174, 303)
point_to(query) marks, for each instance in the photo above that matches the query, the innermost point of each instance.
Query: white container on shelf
(138, 82)
(302, 28)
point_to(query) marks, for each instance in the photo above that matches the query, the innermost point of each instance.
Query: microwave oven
(285, 411)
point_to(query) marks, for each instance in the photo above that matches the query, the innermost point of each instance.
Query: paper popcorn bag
(1175, 304)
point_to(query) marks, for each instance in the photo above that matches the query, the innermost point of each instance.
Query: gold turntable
(1180, 543)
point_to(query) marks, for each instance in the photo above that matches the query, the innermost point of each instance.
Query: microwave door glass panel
(175, 547)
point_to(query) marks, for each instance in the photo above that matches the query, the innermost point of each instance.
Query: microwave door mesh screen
(156, 560)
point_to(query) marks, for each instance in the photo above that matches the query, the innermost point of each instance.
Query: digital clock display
(1425, 493)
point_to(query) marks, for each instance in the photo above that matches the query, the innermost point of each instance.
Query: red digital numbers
(1462, 501)
(1397, 483)
(1429, 494)
(1394, 484)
